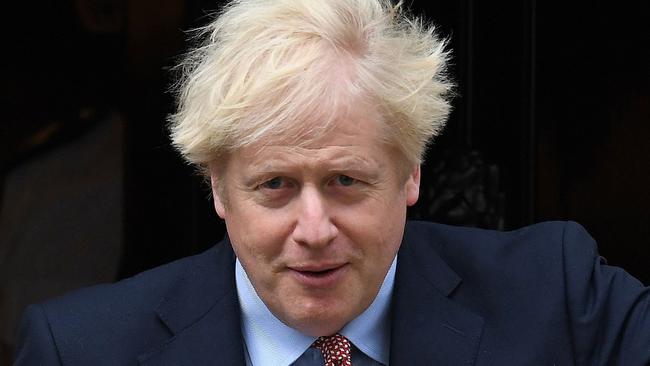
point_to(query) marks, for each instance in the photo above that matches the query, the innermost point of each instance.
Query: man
(311, 119)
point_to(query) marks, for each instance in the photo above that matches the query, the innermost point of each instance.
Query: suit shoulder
(425, 227)
(118, 318)
(531, 249)
(442, 235)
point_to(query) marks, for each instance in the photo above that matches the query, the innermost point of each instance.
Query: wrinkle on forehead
(345, 156)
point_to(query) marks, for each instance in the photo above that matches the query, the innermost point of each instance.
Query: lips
(318, 273)
(319, 276)
(316, 268)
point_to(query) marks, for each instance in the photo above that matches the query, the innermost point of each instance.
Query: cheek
(377, 228)
(392, 223)
(258, 237)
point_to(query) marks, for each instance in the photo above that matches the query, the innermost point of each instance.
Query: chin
(320, 320)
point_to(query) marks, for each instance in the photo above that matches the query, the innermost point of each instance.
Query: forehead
(353, 141)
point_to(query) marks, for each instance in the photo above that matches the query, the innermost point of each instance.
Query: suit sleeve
(35, 342)
(608, 308)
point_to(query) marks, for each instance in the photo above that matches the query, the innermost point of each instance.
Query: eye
(274, 183)
(345, 180)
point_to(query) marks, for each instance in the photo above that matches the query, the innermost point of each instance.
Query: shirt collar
(271, 342)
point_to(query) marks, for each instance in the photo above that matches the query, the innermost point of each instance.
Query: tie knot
(335, 349)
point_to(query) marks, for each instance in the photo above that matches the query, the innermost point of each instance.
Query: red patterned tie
(336, 350)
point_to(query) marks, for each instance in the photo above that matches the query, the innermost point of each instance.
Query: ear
(413, 186)
(217, 197)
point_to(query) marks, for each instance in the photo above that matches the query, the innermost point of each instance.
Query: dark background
(552, 118)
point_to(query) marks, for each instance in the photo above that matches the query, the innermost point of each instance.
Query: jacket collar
(202, 313)
(428, 327)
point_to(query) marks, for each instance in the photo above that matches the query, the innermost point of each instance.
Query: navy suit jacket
(535, 296)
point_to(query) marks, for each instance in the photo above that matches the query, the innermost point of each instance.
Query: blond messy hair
(277, 68)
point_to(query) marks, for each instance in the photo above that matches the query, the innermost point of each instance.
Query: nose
(314, 226)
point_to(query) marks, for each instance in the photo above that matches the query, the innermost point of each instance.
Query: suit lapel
(202, 313)
(428, 328)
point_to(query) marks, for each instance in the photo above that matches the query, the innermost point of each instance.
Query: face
(316, 227)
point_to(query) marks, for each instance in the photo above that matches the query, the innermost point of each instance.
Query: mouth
(321, 273)
(319, 276)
